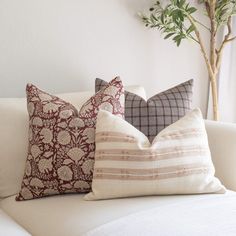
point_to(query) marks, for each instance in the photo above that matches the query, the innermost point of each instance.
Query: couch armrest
(222, 141)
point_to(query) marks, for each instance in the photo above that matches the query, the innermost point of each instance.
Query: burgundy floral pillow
(61, 141)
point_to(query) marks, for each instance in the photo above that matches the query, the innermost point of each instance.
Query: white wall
(62, 45)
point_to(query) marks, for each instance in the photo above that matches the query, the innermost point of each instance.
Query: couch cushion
(62, 140)
(70, 215)
(152, 115)
(14, 137)
(178, 161)
(8, 227)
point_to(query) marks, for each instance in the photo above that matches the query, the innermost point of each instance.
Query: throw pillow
(61, 141)
(178, 161)
(159, 111)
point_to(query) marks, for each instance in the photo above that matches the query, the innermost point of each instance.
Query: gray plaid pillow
(159, 111)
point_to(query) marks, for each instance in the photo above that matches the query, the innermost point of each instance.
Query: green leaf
(180, 3)
(153, 19)
(190, 29)
(178, 42)
(186, 7)
(192, 10)
(162, 18)
(176, 37)
(174, 15)
(169, 35)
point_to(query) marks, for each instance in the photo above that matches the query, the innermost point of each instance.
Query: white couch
(70, 214)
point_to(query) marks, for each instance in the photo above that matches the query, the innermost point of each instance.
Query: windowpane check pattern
(159, 111)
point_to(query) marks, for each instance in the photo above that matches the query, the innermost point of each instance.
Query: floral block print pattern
(61, 141)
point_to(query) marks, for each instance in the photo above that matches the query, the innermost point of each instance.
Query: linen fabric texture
(61, 141)
(159, 111)
(178, 161)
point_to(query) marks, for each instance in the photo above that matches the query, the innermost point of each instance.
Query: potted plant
(176, 20)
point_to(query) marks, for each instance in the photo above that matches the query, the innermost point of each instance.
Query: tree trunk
(214, 92)
(213, 60)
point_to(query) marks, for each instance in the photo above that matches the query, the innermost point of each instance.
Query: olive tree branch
(227, 39)
(199, 37)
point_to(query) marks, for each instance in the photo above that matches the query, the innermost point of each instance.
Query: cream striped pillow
(177, 162)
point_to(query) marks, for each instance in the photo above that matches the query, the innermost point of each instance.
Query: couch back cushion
(14, 136)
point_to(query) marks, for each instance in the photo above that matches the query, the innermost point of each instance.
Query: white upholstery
(14, 137)
(8, 227)
(204, 216)
(70, 215)
(222, 141)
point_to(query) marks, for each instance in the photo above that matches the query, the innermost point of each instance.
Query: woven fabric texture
(159, 111)
(178, 161)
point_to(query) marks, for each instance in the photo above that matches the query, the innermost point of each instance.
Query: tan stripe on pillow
(127, 164)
